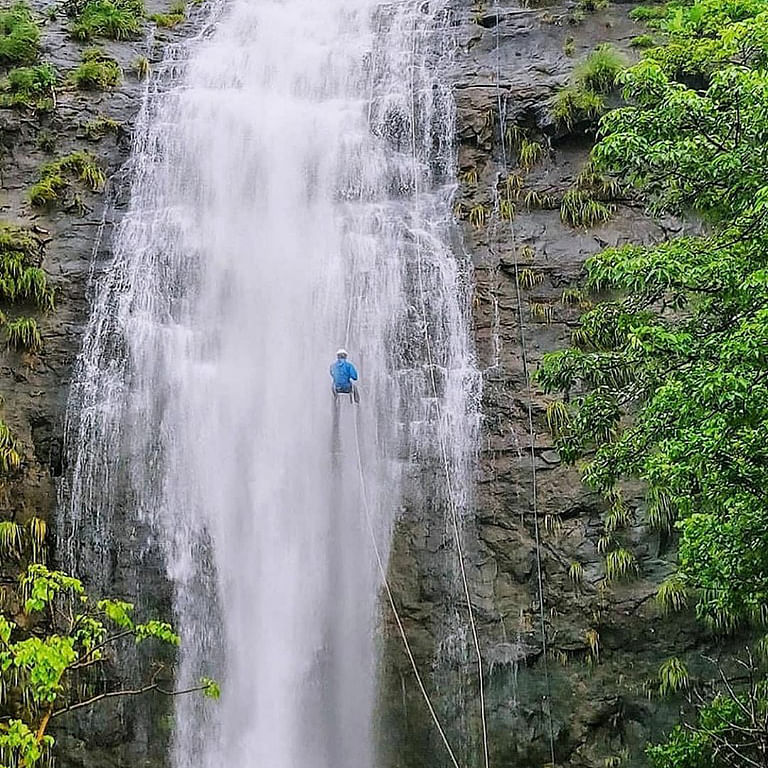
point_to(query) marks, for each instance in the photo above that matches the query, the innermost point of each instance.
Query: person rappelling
(344, 374)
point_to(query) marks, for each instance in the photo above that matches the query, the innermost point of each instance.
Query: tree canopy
(40, 668)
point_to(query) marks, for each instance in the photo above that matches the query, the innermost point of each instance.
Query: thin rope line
(529, 394)
(391, 599)
(441, 437)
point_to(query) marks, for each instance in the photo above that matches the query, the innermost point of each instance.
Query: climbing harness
(441, 440)
(529, 396)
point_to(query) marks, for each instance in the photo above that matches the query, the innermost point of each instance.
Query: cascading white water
(291, 190)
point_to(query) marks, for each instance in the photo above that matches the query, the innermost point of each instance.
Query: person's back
(343, 373)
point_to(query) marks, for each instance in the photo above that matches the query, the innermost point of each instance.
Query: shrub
(20, 277)
(19, 35)
(100, 127)
(642, 41)
(30, 87)
(115, 19)
(97, 72)
(23, 334)
(576, 104)
(598, 72)
(55, 177)
(176, 15)
(649, 12)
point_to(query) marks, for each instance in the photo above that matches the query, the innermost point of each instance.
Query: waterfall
(291, 188)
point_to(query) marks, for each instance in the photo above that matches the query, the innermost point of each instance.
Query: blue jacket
(343, 374)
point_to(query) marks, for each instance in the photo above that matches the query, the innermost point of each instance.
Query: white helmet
(341, 353)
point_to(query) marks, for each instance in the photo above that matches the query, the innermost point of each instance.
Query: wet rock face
(77, 234)
(605, 642)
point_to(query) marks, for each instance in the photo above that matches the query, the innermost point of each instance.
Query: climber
(343, 374)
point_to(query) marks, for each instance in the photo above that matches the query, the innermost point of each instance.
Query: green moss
(97, 72)
(100, 127)
(115, 19)
(29, 87)
(56, 177)
(19, 35)
(599, 71)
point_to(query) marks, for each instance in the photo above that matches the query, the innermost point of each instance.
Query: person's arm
(352, 372)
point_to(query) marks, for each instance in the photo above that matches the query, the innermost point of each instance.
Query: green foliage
(20, 277)
(115, 19)
(580, 209)
(11, 541)
(45, 674)
(620, 564)
(529, 153)
(642, 41)
(23, 334)
(599, 71)
(726, 731)
(576, 104)
(141, 67)
(673, 676)
(672, 595)
(576, 572)
(583, 101)
(10, 456)
(30, 87)
(56, 177)
(97, 72)
(19, 35)
(100, 127)
(175, 16)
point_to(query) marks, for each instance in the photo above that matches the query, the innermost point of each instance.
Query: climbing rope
(390, 597)
(529, 395)
(441, 437)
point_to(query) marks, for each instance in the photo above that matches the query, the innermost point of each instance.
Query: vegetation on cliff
(666, 379)
(49, 671)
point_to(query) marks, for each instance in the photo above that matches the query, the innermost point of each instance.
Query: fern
(673, 676)
(478, 215)
(592, 639)
(576, 573)
(37, 533)
(529, 153)
(661, 516)
(528, 279)
(579, 209)
(469, 177)
(507, 210)
(557, 416)
(672, 595)
(10, 539)
(541, 311)
(23, 334)
(10, 457)
(620, 564)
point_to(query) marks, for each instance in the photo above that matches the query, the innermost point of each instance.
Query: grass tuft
(97, 72)
(30, 87)
(19, 35)
(55, 177)
(115, 19)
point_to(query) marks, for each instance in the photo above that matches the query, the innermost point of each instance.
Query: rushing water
(291, 191)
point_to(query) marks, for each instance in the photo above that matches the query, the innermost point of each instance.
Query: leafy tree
(40, 669)
(666, 380)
